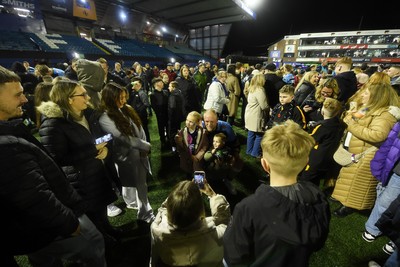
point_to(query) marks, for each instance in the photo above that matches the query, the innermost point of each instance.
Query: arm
(377, 130)
(108, 126)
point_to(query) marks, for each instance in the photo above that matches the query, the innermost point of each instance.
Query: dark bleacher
(16, 41)
(124, 47)
(65, 43)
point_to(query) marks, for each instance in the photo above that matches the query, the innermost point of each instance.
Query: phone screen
(103, 139)
(199, 179)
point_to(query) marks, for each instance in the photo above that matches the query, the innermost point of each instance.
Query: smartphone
(199, 177)
(103, 139)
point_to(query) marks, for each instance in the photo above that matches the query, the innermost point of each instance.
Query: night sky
(277, 18)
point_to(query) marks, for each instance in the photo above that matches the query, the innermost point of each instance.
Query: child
(176, 111)
(286, 109)
(192, 143)
(327, 134)
(287, 216)
(219, 160)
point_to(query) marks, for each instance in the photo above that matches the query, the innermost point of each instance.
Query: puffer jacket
(39, 202)
(386, 157)
(355, 186)
(73, 147)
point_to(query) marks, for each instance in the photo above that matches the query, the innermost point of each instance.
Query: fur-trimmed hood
(50, 110)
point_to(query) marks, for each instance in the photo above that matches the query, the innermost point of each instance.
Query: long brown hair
(109, 96)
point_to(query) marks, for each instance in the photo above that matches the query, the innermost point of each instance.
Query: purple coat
(386, 157)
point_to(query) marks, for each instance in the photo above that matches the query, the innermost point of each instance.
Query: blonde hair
(330, 83)
(286, 147)
(306, 77)
(195, 115)
(381, 95)
(331, 107)
(257, 82)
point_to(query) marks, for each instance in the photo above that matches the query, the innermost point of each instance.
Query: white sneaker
(132, 206)
(113, 210)
(373, 264)
(389, 248)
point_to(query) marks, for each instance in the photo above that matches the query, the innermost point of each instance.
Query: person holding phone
(182, 235)
(130, 150)
(68, 131)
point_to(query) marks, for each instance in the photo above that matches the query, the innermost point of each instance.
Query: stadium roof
(189, 13)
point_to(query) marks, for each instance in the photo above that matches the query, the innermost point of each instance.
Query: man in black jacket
(45, 218)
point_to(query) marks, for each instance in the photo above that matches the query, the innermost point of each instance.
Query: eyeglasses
(85, 95)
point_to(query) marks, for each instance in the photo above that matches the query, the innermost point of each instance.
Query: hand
(307, 108)
(102, 154)
(207, 190)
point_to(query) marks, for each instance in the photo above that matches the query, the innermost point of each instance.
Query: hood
(395, 111)
(50, 110)
(90, 74)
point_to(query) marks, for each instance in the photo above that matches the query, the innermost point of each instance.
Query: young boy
(283, 223)
(176, 112)
(219, 156)
(218, 163)
(286, 109)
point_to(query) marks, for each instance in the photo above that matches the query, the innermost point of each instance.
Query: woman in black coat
(190, 93)
(68, 132)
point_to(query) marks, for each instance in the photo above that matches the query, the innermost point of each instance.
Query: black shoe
(343, 211)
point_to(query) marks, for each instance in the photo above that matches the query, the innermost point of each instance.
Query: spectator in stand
(130, 150)
(345, 78)
(324, 66)
(139, 100)
(367, 125)
(192, 143)
(177, 68)
(272, 84)
(181, 233)
(159, 103)
(43, 70)
(306, 87)
(327, 134)
(211, 72)
(283, 223)
(286, 109)
(165, 80)
(118, 71)
(233, 86)
(200, 77)
(47, 220)
(257, 113)
(68, 132)
(191, 95)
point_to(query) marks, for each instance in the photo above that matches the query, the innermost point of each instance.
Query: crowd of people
(63, 187)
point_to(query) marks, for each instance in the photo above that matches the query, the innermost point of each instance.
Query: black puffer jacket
(37, 199)
(347, 82)
(73, 147)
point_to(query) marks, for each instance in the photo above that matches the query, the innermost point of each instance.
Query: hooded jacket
(73, 147)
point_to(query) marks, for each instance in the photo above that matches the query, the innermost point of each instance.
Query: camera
(199, 177)
(103, 139)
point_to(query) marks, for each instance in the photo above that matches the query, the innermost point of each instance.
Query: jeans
(87, 248)
(393, 260)
(254, 143)
(384, 197)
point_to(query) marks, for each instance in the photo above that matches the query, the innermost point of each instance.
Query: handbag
(345, 158)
